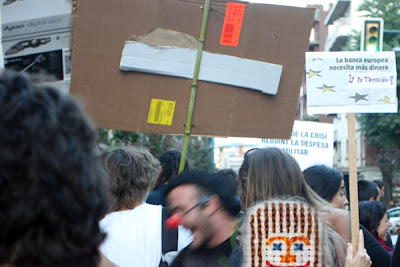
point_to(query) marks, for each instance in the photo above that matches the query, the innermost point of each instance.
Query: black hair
(325, 181)
(169, 162)
(210, 183)
(366, 190)
(371, 213)
(379, 183)
(229, 172)
(52, 185)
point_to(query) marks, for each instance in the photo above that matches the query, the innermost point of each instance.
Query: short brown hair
(131, 171)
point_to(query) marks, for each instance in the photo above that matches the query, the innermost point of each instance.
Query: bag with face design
(282, 233)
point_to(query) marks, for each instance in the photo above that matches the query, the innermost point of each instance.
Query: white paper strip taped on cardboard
(180, 62)
(351, 82)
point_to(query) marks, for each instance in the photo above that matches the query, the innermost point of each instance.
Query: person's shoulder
(157, 197)
(178, 261)
(147, 210)
(126, 215)
(113, 218)
(109, 218)
(236, 259)
(148, 206)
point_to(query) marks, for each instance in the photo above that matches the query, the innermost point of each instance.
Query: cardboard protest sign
(124, 101)
(351, 82)
(311, 143)
(180, 61)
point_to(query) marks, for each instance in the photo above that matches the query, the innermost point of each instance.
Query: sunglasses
(176, 219)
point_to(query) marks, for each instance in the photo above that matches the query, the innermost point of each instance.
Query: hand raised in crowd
(361, 259)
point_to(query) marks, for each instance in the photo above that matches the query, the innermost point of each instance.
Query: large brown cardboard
(120, 100)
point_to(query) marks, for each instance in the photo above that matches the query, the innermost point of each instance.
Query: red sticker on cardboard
(232, 24)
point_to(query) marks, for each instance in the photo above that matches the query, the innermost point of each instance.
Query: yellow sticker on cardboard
(161, 112)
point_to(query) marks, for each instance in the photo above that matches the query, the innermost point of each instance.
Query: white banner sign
(351, 82)
(311, 143)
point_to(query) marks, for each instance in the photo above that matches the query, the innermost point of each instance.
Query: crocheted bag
(284, 233)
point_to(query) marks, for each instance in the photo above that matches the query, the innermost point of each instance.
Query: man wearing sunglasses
(206, 204)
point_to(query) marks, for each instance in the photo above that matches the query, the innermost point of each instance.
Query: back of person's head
(52, 185)
(209, 184)
(379, 183)
(325, 181)
(229, 172)
(169, 162)
(367, 190)
(274, 173)
(371, 213)
(131, 171)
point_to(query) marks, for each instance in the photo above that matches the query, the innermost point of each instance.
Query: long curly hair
(169, 161)
(52, 185)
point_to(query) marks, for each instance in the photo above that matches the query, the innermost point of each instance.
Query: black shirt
(157, 197)
(396, 254)
(380, 257)
(204, 257)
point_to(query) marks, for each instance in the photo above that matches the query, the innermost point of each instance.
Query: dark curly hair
(52, 185)
(169, 162)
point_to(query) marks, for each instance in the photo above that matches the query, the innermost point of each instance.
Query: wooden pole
(353, 187)
(194, 85)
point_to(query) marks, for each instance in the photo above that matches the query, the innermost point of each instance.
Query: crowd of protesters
(65, 203)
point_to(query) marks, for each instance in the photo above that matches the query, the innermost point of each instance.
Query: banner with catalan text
(351, 82)
(311, 143)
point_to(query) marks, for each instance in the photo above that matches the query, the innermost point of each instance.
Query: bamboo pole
(353, 186)
(194, 85)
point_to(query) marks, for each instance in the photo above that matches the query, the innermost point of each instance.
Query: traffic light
(372, 35)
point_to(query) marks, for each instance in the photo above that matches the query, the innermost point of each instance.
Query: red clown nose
(173, 221)
(176, 219)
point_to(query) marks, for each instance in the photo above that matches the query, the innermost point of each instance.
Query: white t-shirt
(134, 236)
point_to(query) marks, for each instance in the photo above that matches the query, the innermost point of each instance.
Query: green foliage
(388, 10)
(200, 153)
(382, 130)
(107, 138)
(310, 118)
